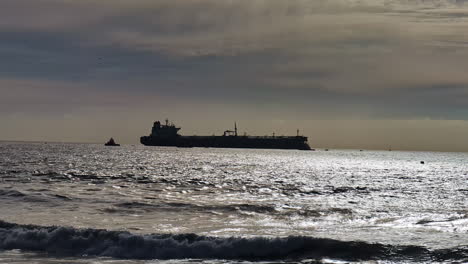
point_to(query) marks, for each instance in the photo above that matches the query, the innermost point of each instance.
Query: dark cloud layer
(256, 60)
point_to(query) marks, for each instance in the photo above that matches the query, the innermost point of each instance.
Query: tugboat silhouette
(111, 143)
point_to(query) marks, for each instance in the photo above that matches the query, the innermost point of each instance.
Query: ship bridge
(164, 130)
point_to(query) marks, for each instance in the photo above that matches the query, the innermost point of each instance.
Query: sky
(348, 73)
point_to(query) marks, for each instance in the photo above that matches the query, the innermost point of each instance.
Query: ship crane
(231, 132)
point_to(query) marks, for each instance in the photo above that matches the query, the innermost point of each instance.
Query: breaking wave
(68, 241)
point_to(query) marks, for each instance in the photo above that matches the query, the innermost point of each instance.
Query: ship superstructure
(167, 135)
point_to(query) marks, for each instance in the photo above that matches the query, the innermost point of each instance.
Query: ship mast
(235, 128)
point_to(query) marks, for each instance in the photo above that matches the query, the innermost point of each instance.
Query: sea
(87, 203)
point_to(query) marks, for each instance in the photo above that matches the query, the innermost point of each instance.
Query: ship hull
(229, 142)
(112, 145)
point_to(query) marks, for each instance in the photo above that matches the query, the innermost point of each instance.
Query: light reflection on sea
(372, 196)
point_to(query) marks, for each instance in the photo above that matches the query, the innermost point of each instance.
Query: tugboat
(111, 143)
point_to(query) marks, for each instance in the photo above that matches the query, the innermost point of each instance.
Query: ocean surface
(85, 203)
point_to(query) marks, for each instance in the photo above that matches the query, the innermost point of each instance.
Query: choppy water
(170, 205)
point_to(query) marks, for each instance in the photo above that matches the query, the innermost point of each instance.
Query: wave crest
(70, 241)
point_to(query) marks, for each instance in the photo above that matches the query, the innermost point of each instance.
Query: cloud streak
(324, 59)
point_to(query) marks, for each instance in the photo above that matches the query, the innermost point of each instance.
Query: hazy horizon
(333, 134)
(348, 74)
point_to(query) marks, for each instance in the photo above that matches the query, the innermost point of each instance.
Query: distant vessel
(167, 135)
(111, 142)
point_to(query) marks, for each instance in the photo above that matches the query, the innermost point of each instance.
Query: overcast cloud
(231, 59)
